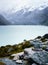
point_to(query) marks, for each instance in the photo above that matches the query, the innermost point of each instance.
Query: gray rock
(34, 64)
(39, 57)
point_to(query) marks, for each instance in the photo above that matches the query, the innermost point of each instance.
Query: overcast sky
(18, 4)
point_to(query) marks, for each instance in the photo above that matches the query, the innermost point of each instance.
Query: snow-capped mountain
(28, 16)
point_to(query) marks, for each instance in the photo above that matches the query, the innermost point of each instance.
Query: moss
(8, 50)
(1, 63)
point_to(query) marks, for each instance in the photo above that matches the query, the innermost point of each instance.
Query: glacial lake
(14, 34)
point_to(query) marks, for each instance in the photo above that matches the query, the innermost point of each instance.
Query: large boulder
(37, 57)
(40, 57)
(36, 43)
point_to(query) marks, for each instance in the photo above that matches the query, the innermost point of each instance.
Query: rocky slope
(35, 55)
(31, 52)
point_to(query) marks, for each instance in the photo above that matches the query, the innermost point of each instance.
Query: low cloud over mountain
(26, 17)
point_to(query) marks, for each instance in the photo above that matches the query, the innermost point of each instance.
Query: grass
(1, 63)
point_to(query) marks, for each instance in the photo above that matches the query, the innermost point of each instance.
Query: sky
(16, 34)
(6, 5)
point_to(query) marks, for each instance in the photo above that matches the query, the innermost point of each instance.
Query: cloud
(18, 4)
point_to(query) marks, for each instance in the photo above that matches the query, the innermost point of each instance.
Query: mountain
(3, 20)
(45, 11)
(28, 17)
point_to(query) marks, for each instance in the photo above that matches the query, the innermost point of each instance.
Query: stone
(37, 57)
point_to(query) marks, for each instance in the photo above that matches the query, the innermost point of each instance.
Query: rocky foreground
(32, 52)
(37, 55)
(31, 57)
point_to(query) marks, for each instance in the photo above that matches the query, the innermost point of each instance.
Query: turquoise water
(16, 34)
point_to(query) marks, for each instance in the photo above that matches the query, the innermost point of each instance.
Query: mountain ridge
(26, 17)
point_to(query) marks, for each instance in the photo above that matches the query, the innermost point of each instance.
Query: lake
(14, 34)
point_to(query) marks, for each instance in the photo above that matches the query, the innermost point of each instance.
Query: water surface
(16, 34)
